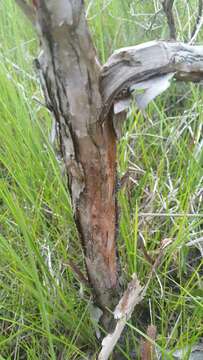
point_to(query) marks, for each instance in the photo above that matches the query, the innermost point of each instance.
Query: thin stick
(27, 10)
(132, 296)
(78, 272)
(168, 9)
(198, 23)
(123, 311)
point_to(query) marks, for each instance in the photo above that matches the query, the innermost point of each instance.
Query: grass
(44, 310)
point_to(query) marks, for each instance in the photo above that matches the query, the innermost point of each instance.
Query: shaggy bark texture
(81, 94)
(70, 79)
(150, 60)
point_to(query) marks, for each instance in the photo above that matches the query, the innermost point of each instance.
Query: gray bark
(134, 64)
(70, 78)
(81, 95)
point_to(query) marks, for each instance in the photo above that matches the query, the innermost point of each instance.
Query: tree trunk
(81, 96)
(70, 79)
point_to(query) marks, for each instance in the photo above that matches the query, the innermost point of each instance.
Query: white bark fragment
(150, 90)
(121, 105)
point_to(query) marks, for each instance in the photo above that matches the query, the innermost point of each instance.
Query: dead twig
(27, 10)
(123, 311)
(145, 252)
(198, 23)
(147, 348)
(81, 277)
(168, 9)
(132, 296)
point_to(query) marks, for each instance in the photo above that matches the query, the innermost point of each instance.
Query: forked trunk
(81, 96)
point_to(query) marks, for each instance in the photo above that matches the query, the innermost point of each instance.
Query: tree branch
(27, 10)
(168, 9)
(148, 61)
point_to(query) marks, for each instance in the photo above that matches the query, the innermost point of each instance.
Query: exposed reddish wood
(35, 3)
(96, 212)
(80, 94)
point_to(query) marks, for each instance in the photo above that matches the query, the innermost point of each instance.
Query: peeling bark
(81, 94)
(70, 79)
(134, 64)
